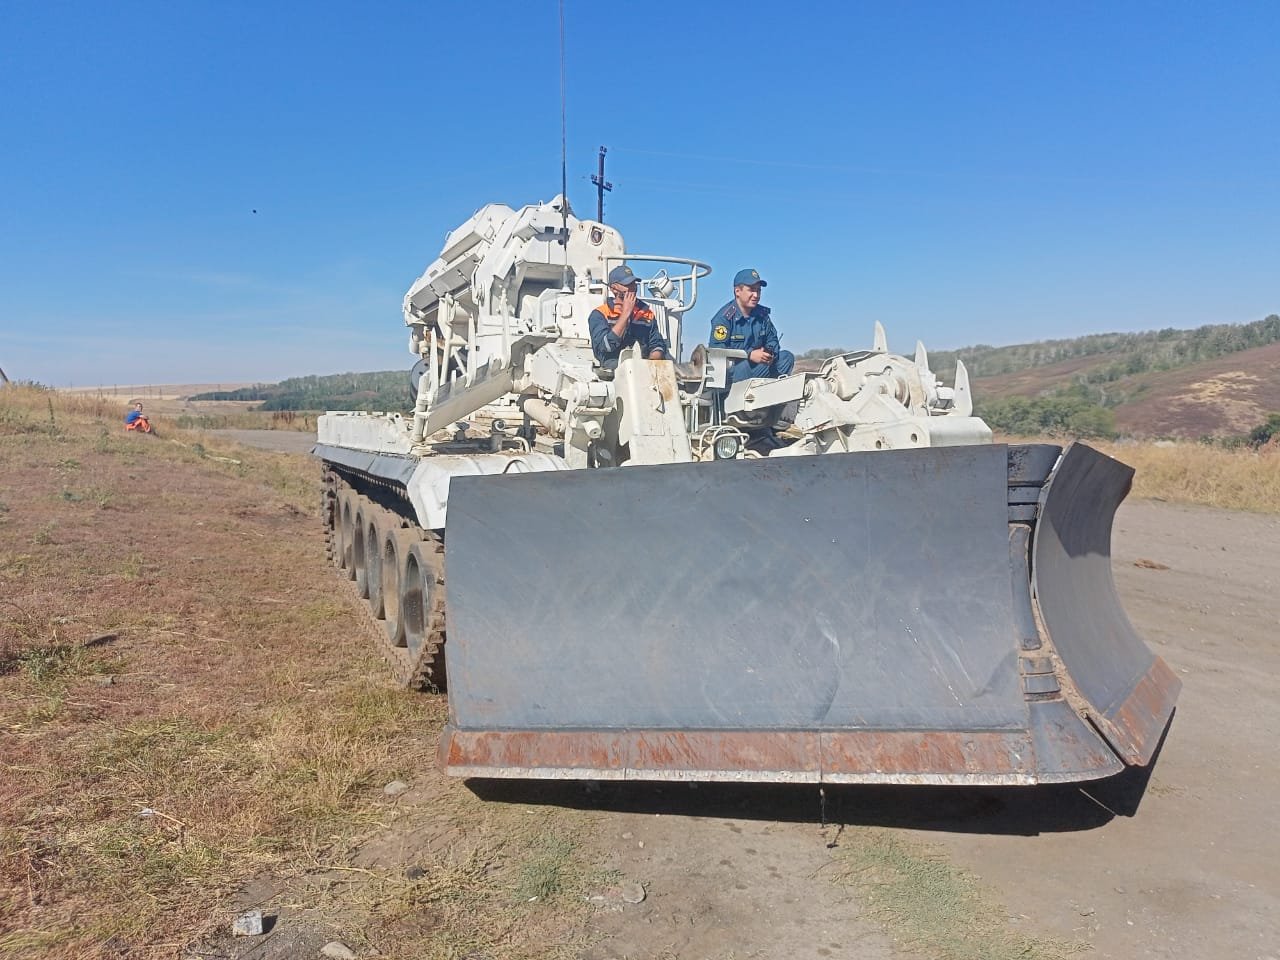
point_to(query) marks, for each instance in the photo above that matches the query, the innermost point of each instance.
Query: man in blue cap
(623, 320)
(743, 324)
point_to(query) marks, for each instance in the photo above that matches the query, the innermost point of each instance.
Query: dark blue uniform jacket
(607, 345)
(732, 330)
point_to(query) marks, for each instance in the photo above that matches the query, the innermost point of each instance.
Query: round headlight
(725, 447)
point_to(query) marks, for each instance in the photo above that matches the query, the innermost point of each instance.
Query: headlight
(726, 447)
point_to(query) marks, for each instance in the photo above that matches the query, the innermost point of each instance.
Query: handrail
(699, 270)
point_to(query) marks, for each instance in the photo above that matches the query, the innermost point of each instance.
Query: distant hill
(1225, 396)
(1105, 357)
(1217, 380)
(1220, 380)
(381, 390)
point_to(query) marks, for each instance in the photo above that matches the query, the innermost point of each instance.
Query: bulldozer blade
(863, 617)
(1129, 693)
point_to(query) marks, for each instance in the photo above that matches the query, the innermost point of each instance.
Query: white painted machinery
(655, 572)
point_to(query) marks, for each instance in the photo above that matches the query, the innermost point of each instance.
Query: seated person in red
(135, 419)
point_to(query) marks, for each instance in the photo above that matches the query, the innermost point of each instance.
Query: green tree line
(380, 390)
(1067, 413)
(1128, 353)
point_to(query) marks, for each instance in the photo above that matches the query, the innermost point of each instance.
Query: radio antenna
(564, 162)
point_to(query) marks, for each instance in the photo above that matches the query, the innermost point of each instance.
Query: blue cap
(748, 278)
(622, 276)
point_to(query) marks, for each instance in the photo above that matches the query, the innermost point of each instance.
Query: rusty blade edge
(890, 757)
(1134, 727)
(753, 776)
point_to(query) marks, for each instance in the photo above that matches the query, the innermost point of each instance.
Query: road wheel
(373, 560)
(358, 565)
(394, 548)
(422, 609)
(348, 503)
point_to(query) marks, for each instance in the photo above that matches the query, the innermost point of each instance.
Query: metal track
(387, 505)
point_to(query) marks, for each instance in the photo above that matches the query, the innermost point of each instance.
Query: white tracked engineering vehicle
(648, 579)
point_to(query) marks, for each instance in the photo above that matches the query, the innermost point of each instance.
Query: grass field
(187, 704)
(1207, 475)
(170, 407)
(1237, 479)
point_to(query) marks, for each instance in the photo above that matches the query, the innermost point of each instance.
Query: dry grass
(186, 704)
(197, 415)
(1195, 473)
(26, 408)
(168, 412)
(522, 897)
(1240, 479)
(930, 905)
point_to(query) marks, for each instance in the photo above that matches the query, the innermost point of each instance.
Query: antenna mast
(601, 185)
(564, 162)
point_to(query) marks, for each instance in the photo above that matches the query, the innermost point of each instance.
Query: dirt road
(1196, 872)
(1188, 867)
(281, 441)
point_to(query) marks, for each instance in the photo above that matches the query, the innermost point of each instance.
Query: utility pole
(601, 186)
(3, 378)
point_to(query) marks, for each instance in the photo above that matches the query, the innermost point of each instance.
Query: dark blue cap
(622, 276)
(748, 278)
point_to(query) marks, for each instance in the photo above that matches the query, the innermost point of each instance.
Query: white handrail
(698, 270)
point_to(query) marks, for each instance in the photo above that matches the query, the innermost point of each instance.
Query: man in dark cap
(623, 320)
(743, 324)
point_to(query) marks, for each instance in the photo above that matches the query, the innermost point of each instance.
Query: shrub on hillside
(1265, 433)
(1053, 416)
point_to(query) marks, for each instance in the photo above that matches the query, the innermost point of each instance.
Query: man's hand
(760, 355)
(628, 304)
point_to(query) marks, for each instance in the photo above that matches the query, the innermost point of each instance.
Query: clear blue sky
(962, 172)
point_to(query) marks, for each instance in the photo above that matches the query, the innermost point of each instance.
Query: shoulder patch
(721, 332)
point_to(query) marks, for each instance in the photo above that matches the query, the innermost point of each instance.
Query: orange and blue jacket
(607, 345)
